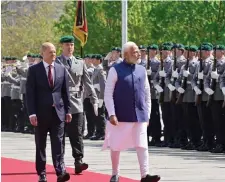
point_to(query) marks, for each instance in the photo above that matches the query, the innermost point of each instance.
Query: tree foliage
(28, 30)
(187, 22)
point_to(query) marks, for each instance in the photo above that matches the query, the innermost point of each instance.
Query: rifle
(200, 85)
(223, 106)
(173, 94)
(213, 84)
(162, 83)
(184, 83)
(148, 62)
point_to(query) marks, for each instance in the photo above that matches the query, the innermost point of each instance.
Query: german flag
(80, 29)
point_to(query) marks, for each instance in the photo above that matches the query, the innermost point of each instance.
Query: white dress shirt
(109, 90)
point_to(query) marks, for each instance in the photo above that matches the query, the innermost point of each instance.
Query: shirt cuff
(32, 115)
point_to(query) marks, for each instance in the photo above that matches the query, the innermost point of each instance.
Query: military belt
(16, 87)
(74, 89)
(24, 79)
(189, 82)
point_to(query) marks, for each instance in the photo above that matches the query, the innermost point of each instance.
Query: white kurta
(126, 134)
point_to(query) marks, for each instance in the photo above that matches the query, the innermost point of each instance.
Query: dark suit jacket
(40, 97)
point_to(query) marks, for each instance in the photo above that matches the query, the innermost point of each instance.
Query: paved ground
(174, 165)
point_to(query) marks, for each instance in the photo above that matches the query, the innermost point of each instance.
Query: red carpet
(23, 171)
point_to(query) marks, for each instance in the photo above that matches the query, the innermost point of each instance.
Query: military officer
(165, 74)
(16, 116)
(88, 108)
(6, 93)
(218, 92)
(204, 112)
(154, 128)
(78, 77)
(143, 56)
(98, 80)
(180, 138)
(22, 70)
(190, 113)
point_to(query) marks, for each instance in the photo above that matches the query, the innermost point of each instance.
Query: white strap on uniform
(16, 87)
(67, 72)
(24, 79)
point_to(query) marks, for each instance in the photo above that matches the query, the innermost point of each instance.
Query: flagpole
(124, 21)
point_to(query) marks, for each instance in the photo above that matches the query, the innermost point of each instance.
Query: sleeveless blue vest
(129, 93)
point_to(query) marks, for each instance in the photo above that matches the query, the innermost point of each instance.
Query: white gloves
(100, 103)
(197, 90)
(162, 73)
(186, 73)
(223, 90)
(171, 87)
(175, 74)
(200, 75)
(180, 90)
(149, 72)
(158, 88)
(214, 75)
(95, 106)
(209, 91)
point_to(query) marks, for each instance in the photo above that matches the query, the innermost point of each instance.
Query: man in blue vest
(128, 101)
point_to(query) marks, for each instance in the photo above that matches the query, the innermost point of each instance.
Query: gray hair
(127, 46)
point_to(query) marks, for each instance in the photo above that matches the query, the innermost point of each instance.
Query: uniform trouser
(75, 133)
(192, 122)
(100, 122)
(26, 117)
(154, 128)
(167, 121)
(55, 127)
(218, 116)
(179, 126)
(3, 113)
(206, 122)
(7, 111)
(16, 115)
(89, 112)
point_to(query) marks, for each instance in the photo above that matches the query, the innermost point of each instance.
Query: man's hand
(68, 118)
(113, 120)
(33, 120)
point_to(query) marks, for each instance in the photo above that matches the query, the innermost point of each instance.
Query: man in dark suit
(48, 105)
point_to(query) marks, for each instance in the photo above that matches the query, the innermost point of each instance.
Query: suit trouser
(55, 127)
(154, 128)
(75, 133)
(167, 121)
(7, 111)
(89, 112)
(206, 122)
(218, 116)
(100, 121)
(193, 125)
(16, 115)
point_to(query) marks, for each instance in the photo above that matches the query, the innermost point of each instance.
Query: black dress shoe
(42, 178)
(218, 149)
(149, 178)
(115, 178)
(63, 177)
(97, 137)
(79, 167)
(88, 136)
